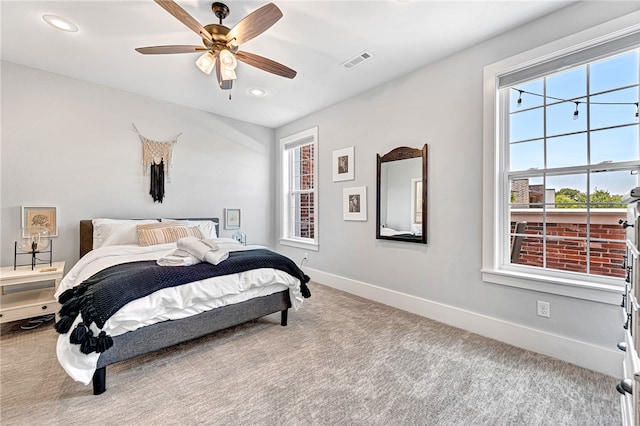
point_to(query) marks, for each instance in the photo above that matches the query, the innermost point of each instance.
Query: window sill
(299, 244)
(610, 291)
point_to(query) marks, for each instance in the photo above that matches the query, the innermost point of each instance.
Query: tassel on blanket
(89, 344)
(104, 342)
(67, 295)
(83, 336)
(69, 312)
(79, 334)
(306, 293)
(64, 324)
(71, 305)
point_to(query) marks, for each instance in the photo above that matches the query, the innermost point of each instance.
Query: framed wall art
(41, 216)
(343, 160)
(231, 218)
(354, 203)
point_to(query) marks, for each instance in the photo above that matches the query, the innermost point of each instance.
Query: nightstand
(29, 303)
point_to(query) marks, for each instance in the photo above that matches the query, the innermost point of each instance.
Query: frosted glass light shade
(228, 64)
(33, 239)
(228, 59)
(206, 62)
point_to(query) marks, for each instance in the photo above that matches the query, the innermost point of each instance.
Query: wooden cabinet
(29, 303)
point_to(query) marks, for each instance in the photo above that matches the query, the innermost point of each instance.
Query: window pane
(303, 163)
(529, 100)
(607, 188)
(526, 155)
(569, 191)
(607, 258)
(569, 84)
(565, 254)
(530, 252)
(619, 144)
(611, 114)
(566, 151)
(303, 215)
(561, 119)
(526, 193)
(526, 125)
(618, 71)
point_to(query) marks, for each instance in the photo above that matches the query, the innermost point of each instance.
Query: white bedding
(166, 304)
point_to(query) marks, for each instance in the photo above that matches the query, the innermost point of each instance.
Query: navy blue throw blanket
(103, 294)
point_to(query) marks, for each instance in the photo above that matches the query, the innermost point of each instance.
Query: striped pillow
(160, 233)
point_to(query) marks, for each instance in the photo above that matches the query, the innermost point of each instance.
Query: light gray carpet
(342, 360)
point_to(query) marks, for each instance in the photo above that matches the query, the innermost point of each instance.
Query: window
(300, 200)
(566, 135)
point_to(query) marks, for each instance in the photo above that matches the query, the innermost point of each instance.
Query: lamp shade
(33, 239)
(206, 62)
(228, 65)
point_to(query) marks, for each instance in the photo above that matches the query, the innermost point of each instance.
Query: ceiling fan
(220, 43)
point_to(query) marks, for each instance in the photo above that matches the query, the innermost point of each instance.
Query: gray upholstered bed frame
(169, 333)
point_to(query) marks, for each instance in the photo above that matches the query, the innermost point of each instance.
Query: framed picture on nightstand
(231, 218)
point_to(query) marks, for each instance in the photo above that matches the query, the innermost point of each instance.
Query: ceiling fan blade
(254, 24)
(266, 64)
(224, 84)
(161, 50)
(182, 16)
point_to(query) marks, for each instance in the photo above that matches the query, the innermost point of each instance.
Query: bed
(171, 314)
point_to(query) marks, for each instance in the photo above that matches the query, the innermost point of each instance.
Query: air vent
(357, 60)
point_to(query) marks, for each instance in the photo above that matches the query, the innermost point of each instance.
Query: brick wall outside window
(606, 258)
(307, 214)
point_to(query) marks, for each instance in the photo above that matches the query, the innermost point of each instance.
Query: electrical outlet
(306, 256)
(544, 310)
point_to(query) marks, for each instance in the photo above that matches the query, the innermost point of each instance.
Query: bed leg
(100, 381)
(283, 317)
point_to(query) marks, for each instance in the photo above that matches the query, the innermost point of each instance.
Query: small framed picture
(41, 216)
(343, 160)
(231, 218)
(354, 203)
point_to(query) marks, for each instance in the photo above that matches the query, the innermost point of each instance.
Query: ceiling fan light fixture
(228, 64)
(206, 62)
(228, 59)
(228, 73)
(60, 23)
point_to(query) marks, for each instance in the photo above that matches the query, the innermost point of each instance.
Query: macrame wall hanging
(156, 163)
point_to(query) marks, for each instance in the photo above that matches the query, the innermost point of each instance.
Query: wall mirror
(401, 198)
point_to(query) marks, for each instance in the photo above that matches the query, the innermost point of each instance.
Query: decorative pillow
(161, 233)
(207, 227)
(111, 232)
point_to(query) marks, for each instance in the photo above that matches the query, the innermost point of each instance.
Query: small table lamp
(33, 240)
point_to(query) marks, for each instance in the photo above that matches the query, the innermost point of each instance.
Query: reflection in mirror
(401, 195)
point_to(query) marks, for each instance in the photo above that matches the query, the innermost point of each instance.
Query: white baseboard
(595, 358)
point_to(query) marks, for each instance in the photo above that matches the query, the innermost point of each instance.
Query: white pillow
(111, 232)
(207, 227)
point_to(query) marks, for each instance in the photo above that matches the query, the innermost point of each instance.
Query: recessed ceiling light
(257, 91)
(60, 23)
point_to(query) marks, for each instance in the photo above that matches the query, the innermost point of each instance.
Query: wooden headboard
(86, 231)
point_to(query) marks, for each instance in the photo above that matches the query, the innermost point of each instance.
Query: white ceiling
(313, 37)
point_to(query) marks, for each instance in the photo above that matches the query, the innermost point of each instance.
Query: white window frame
(288, 143)
(495, 269)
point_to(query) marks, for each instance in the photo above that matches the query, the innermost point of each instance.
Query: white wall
(71, 144)
(441, 105)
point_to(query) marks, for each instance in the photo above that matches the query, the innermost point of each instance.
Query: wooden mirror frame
(403, 153)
